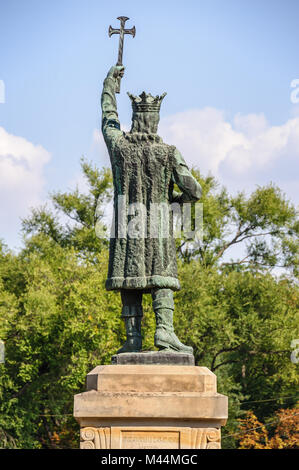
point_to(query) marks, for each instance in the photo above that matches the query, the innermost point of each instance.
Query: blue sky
(226, 65)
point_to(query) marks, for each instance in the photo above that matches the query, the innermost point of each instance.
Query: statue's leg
(165, 337)
(132, 315)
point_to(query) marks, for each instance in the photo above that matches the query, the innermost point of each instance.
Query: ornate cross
(121, 31)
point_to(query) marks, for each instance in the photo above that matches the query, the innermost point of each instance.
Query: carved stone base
(150, 407)
(150, 437)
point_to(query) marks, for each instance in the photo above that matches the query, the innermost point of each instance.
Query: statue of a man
(144, 172)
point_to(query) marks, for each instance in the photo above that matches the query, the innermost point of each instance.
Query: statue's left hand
(116, 71)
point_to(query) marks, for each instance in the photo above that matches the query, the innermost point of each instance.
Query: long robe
(142, 252)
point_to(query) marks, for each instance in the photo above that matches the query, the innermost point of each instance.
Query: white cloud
(21, 181)
(202, 135)
(295, 111)
(241, 153)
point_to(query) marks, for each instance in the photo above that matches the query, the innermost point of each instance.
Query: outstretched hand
(116, 71)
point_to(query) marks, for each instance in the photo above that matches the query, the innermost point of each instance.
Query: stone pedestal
(150, 406)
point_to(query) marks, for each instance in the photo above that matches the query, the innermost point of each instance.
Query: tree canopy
(58, 322)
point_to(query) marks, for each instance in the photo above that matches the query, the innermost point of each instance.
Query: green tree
(58, 321)
(62, 324)
(264, 223)
(241, 324)
(75, 216)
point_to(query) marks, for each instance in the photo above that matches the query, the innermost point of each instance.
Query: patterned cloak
(142, 252)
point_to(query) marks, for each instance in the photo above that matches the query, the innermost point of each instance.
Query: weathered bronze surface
(145, 170)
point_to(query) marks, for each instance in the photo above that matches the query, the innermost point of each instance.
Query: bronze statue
(144, 172)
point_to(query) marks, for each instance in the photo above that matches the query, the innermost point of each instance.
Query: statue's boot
(132, 314)
(134, 341)
(165, 337)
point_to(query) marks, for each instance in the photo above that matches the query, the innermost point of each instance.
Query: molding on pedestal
(147, 437)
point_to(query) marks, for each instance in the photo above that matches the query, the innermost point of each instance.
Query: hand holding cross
(121, 31)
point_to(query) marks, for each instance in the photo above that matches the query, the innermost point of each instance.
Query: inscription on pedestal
(150, 438)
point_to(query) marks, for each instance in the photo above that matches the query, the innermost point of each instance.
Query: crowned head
(146, 112)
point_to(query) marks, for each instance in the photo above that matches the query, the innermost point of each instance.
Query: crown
(146, 102)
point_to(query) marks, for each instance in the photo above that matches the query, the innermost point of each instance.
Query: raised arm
(110, 122)
(191, 189)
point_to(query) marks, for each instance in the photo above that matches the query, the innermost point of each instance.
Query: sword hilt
(118, 80)
(117, 88)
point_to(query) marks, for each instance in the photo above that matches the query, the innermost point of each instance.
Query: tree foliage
(55, 330)
(58, 321)
(280, 433)
(265, 224)
(80, 214)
